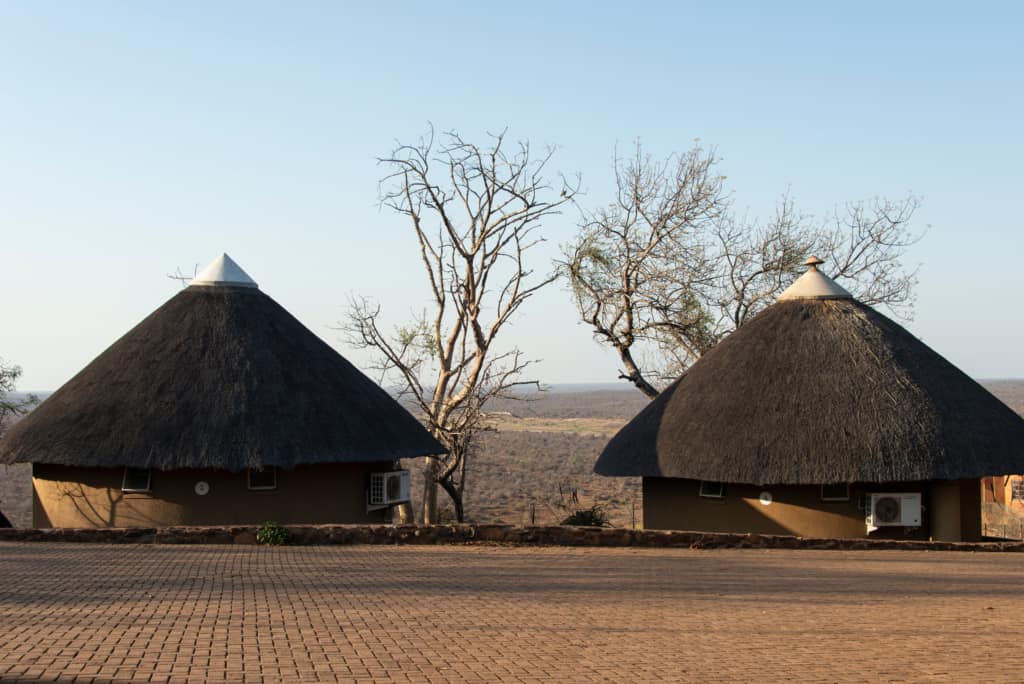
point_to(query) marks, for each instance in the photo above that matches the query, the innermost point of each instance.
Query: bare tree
(475, 212)
(639, 265)
(667, 270)
(11, 406)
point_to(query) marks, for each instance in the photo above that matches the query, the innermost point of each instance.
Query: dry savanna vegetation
(536, 463)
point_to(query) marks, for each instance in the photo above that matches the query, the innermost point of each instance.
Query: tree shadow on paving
(100, 575)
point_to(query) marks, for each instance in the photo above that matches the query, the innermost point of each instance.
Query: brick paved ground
(162, 613)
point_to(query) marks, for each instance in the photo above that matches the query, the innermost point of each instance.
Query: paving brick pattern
(91, 612)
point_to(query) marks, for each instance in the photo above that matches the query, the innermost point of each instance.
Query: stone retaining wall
(476, 534)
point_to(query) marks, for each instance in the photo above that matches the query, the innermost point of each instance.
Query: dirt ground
(91, 613)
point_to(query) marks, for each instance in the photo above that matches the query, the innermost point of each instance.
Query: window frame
(136, 490)
(702, 493)
(1017, 490)
(248, 479)
(847, 497)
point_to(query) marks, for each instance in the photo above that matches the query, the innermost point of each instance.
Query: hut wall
(946, 511)
(1000, 489)
(970, 510)
(994, 489)
(66, 496)
(956, 510)
(672, 503)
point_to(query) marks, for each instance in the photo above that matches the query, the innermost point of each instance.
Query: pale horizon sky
(140, 137)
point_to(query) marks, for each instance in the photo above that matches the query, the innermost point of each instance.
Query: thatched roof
(818, 391)
(217, 377)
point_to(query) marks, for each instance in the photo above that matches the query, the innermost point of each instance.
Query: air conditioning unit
(893, 509)
(387, 489)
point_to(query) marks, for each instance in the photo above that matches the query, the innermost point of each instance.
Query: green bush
(272, 534)
(589, 517)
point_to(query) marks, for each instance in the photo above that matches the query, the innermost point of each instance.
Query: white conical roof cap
(223, 271)
(814, 285)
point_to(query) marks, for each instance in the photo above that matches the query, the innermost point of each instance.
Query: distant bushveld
(1010, 391)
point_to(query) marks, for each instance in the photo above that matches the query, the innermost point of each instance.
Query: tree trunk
(430, 491)
(456, 497)
(404, 515)
(634, 374)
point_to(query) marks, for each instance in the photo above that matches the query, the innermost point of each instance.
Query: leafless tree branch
(476, 211)
(668, 268)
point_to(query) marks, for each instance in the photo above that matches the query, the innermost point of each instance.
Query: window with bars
(135, 480)
(1017, 490)
(263, 478)
(835, 492)
(712, 490)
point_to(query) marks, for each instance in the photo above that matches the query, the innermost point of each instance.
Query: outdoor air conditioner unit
(387, 489)
(893, 509)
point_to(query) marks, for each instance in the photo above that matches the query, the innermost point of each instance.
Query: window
(835, 492)
(135, 480)
(263, 478)
(712, 490)
(1017, 490)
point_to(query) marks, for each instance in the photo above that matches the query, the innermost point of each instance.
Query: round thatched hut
(819, 417)
(219, 408)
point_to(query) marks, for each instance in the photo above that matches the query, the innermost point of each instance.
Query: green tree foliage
(11, 406)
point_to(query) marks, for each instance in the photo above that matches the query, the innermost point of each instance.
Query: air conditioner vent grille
(387, 489)
(887, 509)
(891, 509)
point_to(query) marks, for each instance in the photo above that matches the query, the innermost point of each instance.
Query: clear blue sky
(138, 137)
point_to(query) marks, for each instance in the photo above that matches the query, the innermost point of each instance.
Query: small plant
(589, 517)
(446, 516)
(271, 534)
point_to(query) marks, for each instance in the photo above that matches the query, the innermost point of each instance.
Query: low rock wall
(481, 534)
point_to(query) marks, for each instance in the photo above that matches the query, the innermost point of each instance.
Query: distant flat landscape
(1010, 391)
(534, 465)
